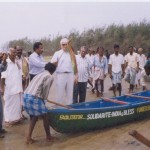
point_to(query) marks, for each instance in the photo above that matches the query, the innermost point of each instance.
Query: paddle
(140, 137)
(146, 98)
(114, 101)
(68, 107)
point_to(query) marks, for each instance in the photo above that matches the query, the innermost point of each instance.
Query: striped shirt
(83, 65)
(40, 85)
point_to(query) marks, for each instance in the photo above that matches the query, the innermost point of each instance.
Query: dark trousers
(79, 91)
(32, 76)
(1, 113)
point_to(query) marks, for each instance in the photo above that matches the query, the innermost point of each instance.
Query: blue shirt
(101, 63)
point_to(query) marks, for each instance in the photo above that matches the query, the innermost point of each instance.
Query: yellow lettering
(70, 117)
(143, 108)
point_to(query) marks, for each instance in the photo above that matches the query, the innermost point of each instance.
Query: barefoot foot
(30, 141)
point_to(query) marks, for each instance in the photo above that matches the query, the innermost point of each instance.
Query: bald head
(11, 50)
(140, 50)
(12, 53)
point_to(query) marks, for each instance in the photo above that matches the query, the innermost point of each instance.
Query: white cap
(64, 41)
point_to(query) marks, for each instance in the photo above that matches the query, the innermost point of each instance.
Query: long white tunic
(13, 92)
(64, 77)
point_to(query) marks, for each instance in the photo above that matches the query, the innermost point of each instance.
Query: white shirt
(83, 65)
(91, 58)
(64, 61)
(116, 61)
(142, 60)
(36, 64)
(13, 78)
(145, 79)
(132, 60)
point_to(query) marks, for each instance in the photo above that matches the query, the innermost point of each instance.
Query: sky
(46, 19)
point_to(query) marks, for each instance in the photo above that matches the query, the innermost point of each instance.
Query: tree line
(135, 34)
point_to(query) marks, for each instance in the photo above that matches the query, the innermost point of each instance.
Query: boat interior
(115, 101)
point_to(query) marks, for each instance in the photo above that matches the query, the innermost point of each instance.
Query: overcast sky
(36, 20)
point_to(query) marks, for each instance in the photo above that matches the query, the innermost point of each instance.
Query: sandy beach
(114, 138)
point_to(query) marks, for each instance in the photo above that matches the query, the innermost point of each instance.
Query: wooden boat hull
(98, 114)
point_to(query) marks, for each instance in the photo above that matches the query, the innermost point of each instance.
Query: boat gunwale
(102, 108)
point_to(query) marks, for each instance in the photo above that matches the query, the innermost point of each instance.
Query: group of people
(26, 82)
(130, 67)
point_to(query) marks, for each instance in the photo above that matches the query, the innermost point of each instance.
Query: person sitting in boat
(145, 76)
(34, 104)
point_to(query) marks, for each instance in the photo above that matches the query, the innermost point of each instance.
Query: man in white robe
(65, 77)
(12, 90)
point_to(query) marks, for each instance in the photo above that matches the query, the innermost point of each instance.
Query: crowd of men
(73, 73)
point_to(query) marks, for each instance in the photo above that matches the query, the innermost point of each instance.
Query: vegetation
(136, 34)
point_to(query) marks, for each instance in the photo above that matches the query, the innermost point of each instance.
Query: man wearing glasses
(64, 74)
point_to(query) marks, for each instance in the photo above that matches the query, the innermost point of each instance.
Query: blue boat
(101, 113)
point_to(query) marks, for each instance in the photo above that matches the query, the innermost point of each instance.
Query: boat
(102, 113)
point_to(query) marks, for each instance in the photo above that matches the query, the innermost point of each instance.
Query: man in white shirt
(36, 61)
(116, 69)
(83, 66)
(142, 61)
(90, 57)
(65, 62)
(12, 89)
(132, 67)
